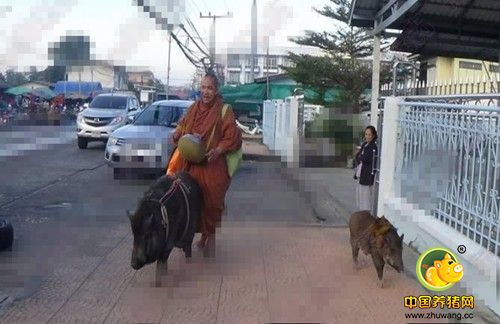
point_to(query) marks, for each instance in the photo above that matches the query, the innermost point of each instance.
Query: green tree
(341, 65)
(53, 74)
(159, 85)
(14, 78)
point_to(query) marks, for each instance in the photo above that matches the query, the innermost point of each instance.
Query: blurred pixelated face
(368, 135)
(208, 90)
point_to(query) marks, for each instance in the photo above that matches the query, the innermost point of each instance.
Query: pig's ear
(381, 227)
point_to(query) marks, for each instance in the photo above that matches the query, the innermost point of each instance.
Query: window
(494, 68)
(233, 60)
(159, 115)
(248, 78)
(107, 102)
(272, 61)
(470, 65)
(248, 61)
(234, 77)
(287, 62)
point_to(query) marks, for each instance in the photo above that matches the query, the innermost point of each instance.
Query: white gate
(269, 124)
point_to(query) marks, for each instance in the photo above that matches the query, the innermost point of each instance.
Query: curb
(260, 157)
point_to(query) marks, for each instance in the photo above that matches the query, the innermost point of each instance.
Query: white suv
(106, 113)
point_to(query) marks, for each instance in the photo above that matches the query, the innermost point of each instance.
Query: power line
(212, 33)
(163, 22)
(197, 7)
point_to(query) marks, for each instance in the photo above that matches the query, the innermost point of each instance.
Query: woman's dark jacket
(366, 155)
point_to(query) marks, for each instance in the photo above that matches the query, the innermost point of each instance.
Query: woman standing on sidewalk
(365, 161)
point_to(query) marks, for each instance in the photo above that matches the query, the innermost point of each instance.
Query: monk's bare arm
(181, 124)
(231, 135)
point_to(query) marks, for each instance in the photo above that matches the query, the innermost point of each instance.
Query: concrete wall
(103, 74)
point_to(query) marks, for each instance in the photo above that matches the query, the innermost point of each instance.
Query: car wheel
(82, 143)
(6, 234)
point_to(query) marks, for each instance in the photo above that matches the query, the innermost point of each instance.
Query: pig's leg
(355, 252)
(379, 263)
(187, 249)
(161, 268)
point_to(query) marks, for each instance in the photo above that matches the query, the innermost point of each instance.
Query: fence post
(389, 153)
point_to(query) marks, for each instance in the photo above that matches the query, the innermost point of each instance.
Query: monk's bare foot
(209, 250)
(202, 243)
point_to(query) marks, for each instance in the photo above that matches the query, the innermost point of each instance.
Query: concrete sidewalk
(331, 193)
(263, 272)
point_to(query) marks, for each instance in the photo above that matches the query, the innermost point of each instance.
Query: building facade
(237, 66)
(445, 69)
(110, 76)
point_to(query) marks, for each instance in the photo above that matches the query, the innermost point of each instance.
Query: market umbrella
(19, 90)
(43, 92)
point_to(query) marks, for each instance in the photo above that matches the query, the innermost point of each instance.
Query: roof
(75, 88)
(42, 83)
(458, 28)
(175, 103)
(273, 77)
(116, 94)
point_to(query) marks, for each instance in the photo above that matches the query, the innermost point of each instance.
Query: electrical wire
(158, 18)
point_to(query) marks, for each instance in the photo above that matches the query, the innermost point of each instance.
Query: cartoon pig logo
(438, 269)
(444, 271)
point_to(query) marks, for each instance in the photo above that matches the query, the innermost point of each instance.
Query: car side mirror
(130, 119)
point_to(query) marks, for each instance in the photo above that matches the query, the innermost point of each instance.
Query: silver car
(106, 113)
(145, 143)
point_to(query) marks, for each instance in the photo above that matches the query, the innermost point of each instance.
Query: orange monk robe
(213, 176)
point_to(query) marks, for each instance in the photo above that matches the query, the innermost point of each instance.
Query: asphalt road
(69, 213)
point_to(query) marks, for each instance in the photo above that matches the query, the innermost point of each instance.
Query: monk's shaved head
(213, 78)
(209, 88)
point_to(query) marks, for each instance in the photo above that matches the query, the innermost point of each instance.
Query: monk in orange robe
(212, 175)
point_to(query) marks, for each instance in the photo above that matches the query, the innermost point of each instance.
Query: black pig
(151, 240)
(377, 237)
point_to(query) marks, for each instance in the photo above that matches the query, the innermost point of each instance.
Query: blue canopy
(75, 88)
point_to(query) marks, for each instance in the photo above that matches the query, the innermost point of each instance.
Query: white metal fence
(440, 181)
(282, 127)
(440, 88)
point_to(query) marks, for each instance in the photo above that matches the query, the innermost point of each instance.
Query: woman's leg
(365, 197)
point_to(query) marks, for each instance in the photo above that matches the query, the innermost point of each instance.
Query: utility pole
(212, 34)
(254, 39)
(168, 65)
(266, 40)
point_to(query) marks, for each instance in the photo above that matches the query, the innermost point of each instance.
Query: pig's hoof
(380, 283)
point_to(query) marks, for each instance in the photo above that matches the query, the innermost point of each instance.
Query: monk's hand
(213, 154)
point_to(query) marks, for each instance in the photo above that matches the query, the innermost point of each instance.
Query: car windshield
(109, 102)
(159, 115)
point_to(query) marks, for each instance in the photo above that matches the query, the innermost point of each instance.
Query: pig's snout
(135, 265)
(136, 262)
(458, 268)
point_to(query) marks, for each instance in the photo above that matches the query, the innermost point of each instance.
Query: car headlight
(113, 140)
(118, 120)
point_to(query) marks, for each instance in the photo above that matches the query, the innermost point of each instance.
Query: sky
(122, 33)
